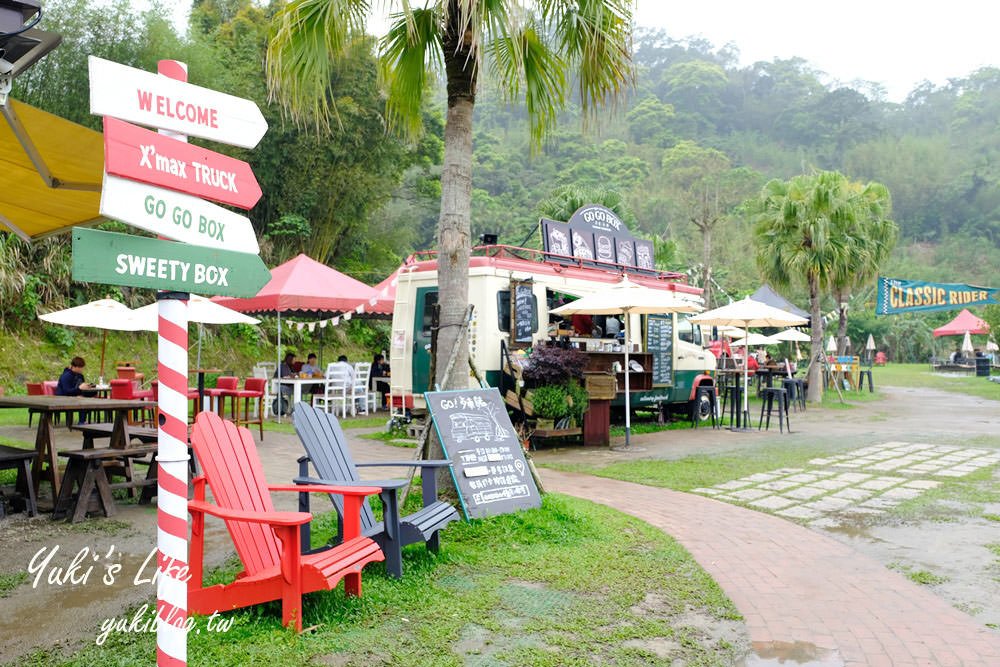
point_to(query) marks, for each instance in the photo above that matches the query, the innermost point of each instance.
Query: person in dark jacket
(71, 382)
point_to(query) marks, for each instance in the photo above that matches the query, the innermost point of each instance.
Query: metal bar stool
(768, 397)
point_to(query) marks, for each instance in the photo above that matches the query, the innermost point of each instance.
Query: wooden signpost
(146, 176)
(157, 101)
(137, 261)
(177, 216)
(138, 154)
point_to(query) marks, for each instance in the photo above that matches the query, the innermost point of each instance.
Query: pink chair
(253, 388)
(192, 395)
(49, 387)
(223, 385)
(127, 390)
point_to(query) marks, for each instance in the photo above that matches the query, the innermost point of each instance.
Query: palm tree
(531, 49)
(799, 237)
(870, 240)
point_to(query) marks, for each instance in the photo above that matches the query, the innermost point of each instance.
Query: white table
(296, 384)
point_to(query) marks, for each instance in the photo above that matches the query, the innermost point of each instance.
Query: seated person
(310, 367)
(285, 371)
(380, 369)
(752, 364)
(348, 368)
(71, 382)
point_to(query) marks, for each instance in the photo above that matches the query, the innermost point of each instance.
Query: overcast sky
(895, 43)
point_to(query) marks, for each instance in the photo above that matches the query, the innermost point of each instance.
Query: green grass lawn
(350, 422)
(919, 375)
(572, 583)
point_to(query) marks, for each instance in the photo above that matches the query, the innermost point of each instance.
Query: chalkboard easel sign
(487, 458)
(521, 313)
(660, 344)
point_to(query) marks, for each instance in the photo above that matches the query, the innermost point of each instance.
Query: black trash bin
(982, 367)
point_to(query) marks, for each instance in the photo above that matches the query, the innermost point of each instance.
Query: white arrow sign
(177, 216)
(157, 101)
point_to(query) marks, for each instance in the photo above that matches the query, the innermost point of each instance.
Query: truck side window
(503, 311)
(687, 331)
(430, 300)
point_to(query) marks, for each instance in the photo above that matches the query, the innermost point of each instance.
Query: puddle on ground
(805, 654)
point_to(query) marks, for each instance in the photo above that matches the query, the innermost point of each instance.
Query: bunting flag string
(344, 317)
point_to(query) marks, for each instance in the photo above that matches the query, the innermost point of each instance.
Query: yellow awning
(52, 171)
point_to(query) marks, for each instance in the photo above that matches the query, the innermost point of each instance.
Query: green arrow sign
(137, 261)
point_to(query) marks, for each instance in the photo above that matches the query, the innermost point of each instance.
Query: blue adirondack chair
(326, 448)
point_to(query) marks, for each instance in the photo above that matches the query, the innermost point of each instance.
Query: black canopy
(766, 294)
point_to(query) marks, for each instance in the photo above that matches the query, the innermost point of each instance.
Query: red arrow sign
(140, 155)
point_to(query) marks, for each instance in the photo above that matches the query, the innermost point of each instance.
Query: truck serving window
(430, 300)
(503, 311)
(687, 331)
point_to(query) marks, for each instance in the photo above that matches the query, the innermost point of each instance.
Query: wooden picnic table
(46, 406)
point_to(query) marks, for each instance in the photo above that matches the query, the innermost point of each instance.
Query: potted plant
(550, 403)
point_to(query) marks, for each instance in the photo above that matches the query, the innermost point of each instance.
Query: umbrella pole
(199, 345)
(746, 366)
(278, 371)
(104, 344)
(628, 401)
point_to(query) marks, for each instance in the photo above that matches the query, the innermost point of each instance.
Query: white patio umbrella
(628, 298)
(870, 345)
(754, 339)
(792, 335)
(748, 313)
(200, 310)
(730, 332)
(831, 345)
(991, 346)
(967, 343)
(102, 314)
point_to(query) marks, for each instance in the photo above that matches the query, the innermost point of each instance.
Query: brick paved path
(792, 584)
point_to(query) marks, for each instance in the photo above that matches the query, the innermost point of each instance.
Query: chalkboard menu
(595, 233)
(660, 344)
(523, 312)
(486, 455)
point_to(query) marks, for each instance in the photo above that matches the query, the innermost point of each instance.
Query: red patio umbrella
(964, 322)
(304, 287)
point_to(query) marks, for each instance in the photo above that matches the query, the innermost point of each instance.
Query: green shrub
(550, 401)
(59, 336)
(579, 398)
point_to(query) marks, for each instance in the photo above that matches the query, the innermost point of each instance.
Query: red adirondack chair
(267, 541)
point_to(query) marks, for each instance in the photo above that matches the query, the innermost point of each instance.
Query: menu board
(592, 236)
(488, 460)
(522, 312)
(660, 344)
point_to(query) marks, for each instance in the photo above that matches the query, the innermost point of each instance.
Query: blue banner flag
(905, 296)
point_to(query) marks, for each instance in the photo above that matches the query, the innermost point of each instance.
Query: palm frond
(410, 47)
(306, 39)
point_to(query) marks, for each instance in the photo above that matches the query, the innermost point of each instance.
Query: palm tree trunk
(706, 266)
(454, 225)
(815, 377)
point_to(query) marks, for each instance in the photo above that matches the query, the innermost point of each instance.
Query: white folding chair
(360, 394)
(336, 389)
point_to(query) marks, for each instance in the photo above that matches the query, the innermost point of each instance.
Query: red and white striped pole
(172, 459)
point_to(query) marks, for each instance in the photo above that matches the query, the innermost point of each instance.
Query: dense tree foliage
(365, 199)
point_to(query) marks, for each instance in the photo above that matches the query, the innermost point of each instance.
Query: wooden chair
(267, 541)
(326, 447)
(223, 385)
(125, 390)
(34, 389)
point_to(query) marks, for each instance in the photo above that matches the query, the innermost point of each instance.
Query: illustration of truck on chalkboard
(469, 426)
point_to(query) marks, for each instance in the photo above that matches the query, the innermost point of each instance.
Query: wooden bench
(93, 432)
(86, 470)
(21, 459)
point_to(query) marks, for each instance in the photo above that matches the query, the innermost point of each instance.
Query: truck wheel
(701, 406)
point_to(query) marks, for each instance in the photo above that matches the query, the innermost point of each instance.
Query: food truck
(591, 252)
